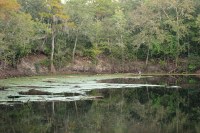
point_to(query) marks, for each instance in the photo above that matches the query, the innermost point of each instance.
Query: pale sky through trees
(63, 1)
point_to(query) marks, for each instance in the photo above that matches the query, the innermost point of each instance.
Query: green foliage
(192, 81)
(45, 63)
(194, 63)
(92, 53)
(17, 34)
(103, 8)
(32, 7)
(7, 6)
(125, 30)
(163, 63)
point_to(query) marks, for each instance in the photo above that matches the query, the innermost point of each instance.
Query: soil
(11, 72)
(26, 67)
(33, 65)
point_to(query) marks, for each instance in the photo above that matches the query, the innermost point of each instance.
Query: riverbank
(34, 65)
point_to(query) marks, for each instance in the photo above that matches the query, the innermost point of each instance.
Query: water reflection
(136, 110)
(183, 81)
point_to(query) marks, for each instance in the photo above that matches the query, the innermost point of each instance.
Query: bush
(194, 63)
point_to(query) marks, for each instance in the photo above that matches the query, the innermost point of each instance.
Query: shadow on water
(182, 81)
(122, 110)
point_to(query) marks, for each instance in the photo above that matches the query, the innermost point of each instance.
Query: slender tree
(146, 27)
(57, 19)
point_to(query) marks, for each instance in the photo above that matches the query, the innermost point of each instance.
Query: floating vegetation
(2, 88)
(65, 88)
(34, 86)
(34, 92)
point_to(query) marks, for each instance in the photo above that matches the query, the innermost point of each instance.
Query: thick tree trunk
(52, 69)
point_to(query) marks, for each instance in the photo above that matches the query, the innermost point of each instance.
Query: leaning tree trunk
(52, 69)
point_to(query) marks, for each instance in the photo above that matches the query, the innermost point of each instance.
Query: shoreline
(18, 75)
(32, 65)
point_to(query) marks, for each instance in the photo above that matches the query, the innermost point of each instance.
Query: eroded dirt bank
(35, 65)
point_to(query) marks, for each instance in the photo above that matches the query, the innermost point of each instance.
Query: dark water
(124, 110)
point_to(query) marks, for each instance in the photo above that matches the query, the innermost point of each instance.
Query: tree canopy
(118, 30)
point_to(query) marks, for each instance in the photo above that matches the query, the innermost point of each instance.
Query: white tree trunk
(52, 69)
(74, 50)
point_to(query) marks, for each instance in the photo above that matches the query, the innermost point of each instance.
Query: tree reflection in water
(125, 110)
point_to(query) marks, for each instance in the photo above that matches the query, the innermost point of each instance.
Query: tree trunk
(53, 108)
(52, 69)
(147, 58)
(122, 53)
(177, 37)
(74, 50)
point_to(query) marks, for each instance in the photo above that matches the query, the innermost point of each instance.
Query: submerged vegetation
(124, 30)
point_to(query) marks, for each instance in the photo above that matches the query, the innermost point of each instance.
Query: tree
(17, 34)
(120, 24)
(177, 15)
(7, 6)
(17, 30)
(81, 17)
(57, 19)
(163, 25)
(146, 27)
(198, 25)
(33, 7)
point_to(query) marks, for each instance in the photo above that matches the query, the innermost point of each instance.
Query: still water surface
(100, 104)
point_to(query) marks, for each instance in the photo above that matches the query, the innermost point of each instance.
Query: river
(116, 103)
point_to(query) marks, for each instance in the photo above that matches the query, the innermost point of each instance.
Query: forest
(125, 30)
(99, 66)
